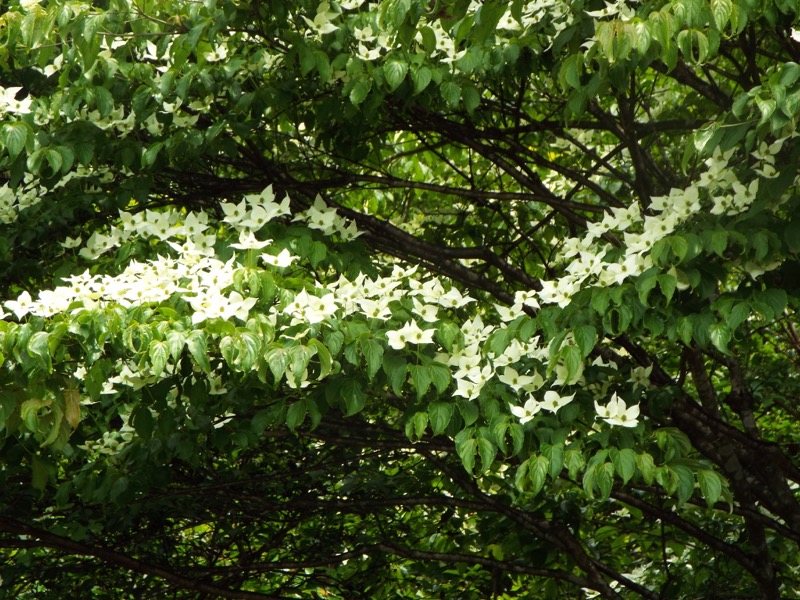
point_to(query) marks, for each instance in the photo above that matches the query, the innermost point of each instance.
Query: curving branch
(64, 544)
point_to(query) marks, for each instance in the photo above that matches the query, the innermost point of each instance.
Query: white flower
(526, 412)
(427, 312)
(312, 309)
(351, 4)
(248, 241)
(219, 53)
(640, 376)
(374, 309)
(10, 104)
(322, 21)
(283, 259)
(22, 305)
(410, 333)
(616, 412)
(71, 242)
(467, 389)
(527, 298)
(454, 299)
(320, 216)
(364, 34)
(234, 213)
(513, 379)
(554, 401)
(208, 306)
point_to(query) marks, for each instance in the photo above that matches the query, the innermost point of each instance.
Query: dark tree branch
(124, 561)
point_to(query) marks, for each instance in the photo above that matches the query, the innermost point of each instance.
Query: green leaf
(373, 352)
(721, 10)
(395, 72)
(39, 348)
(586, 338)
(428, 39)
(680, 247)
(537, 472)
(710, 486)
(776, 299)
(521, 475)
(299, 357)
(471, 97)
(571, 355)
(159, 353)
(605, 479)
(359, 91)
(767, 107)
(647, 467)
(574, 461)
(143, 422)
(667, 283)
(175, 341)
(718, 241)
(571, 71)
(487, 451)
(720, 335)
(40, 473)
(466, 447)
(469, 411)
(589, 480)
(29, 412)
(624, 463)
(352, 392)
(555, 456)
(325, 358)
(151, 154)
(451, 92)
(685, 483)
(196, 343)
(14, 137)
(296, 414)
(421, 78)
(278, 360)
(440, 414)
(421, 378)
(440, 376)
(738, 315)
(416, 425)
(395, 367)
(645, 283)
(498, 427)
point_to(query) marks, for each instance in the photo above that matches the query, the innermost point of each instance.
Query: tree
(399, 299)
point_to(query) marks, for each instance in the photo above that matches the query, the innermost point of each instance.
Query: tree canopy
(443, 299)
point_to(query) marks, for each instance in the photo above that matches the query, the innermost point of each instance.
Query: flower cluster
(190, 271)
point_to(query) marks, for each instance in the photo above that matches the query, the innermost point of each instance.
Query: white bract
(553, 401)
(616, 412)
(527, 411)
(410, 333)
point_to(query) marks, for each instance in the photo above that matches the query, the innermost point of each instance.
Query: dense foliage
(399, 299)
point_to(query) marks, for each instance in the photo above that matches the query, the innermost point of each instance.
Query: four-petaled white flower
(283, 259)
(616, 412)
(640, 376)
(527, 411)
(554, 401)
(513, 379)
(320, 216)
(21, 306)
(322, 21)
(248, 241)
(10, 104)
(410, 333)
